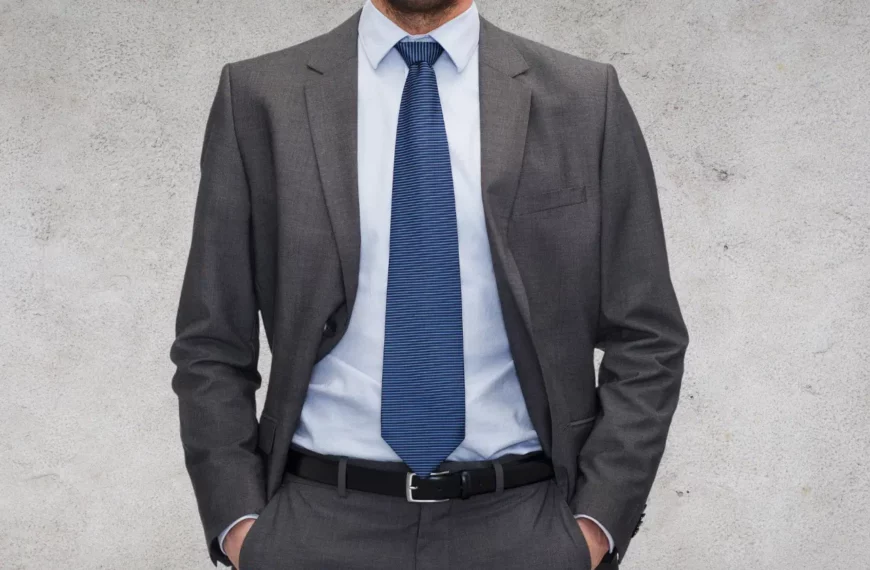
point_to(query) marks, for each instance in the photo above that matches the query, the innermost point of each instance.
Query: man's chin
(420, 6)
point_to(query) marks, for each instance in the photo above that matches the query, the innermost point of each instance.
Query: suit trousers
(309, 525)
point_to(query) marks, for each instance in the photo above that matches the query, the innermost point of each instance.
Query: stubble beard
(419, 16)
(421, 7)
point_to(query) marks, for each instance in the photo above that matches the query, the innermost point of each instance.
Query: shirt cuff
(601, 526)
(223, 535)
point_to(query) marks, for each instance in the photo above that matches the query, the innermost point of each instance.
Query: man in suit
(438, 221)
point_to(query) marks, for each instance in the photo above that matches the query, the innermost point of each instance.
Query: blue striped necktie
(423, 390)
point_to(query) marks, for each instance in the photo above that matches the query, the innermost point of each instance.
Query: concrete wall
(757, 115)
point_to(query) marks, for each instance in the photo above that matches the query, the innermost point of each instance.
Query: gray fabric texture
(308, 525)
(577, 244)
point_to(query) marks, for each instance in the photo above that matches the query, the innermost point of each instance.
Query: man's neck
(417, 23)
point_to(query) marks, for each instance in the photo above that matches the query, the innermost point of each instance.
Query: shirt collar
(459, 37)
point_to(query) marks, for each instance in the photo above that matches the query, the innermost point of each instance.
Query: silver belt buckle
(410, 488)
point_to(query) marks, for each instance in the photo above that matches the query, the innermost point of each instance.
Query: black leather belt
(437, 487)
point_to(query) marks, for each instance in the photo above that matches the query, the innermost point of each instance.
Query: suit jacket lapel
(505, 103)
(331, 100)
(504, 118)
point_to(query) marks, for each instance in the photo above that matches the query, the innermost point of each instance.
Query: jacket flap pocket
(529, 202)
(578, 431)
(266, 434)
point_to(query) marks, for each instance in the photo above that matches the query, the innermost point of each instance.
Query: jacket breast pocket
(531, 202)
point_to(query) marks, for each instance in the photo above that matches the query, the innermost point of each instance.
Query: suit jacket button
(329, 328)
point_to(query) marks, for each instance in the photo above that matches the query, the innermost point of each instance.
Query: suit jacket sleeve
(640, 329)
(217, 336)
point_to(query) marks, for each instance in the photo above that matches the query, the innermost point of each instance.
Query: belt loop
(499, 476)
(464, 484)
(342, 477)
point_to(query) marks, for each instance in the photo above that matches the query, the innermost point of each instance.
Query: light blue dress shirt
(341, 412)
(342, 409)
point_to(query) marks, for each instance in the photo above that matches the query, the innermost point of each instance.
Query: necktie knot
(419, 52)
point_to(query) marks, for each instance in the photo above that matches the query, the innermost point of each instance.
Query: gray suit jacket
(576, 237)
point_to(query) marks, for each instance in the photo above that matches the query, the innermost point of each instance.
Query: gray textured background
(757, 117)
